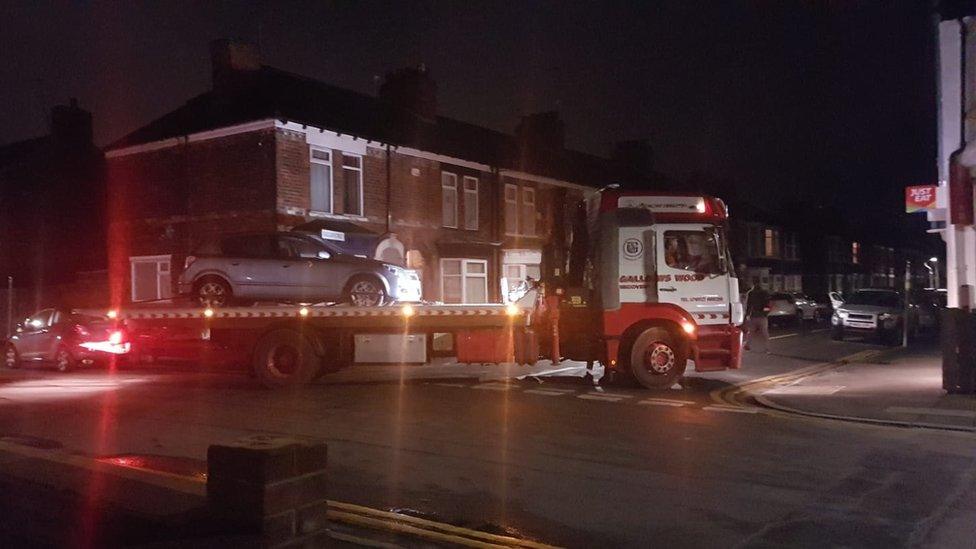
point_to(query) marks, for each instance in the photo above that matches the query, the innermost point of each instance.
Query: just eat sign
(919, 197)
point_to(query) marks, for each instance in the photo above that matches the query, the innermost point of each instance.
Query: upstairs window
(855, 253)
(520, 210)
(471, 203)
(771, 243)
(320, 173)
(449, 200)
(352, 184)
(791, 251)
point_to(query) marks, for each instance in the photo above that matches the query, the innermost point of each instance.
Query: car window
(257, 245)
(880, 299)
(40, 320)
(295, 248)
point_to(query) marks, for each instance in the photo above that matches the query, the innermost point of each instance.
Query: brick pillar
(272, 487)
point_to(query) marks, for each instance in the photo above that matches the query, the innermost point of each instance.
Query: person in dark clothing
(757, 317)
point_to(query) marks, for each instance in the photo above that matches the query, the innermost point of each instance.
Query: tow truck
(650, 287)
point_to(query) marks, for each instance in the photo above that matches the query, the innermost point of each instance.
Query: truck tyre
(213, 291)
(284, 358)
(657, 360)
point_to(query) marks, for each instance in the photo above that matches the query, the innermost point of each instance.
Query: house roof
(274, 93)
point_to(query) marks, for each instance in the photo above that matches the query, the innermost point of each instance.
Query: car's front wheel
(10, 358)
(63, 361)
(212, 292)
(364, 291)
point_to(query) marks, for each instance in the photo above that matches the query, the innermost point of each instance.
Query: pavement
(519, 452)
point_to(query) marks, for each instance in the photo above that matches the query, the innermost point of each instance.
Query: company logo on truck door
(633, 248)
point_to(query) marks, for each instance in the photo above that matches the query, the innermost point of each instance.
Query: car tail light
(116, 337)
(188, 261)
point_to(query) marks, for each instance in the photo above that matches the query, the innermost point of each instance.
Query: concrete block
(255, 500)
(311, 518)
(266, 458)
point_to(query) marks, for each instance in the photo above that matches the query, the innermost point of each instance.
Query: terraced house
(265, 149)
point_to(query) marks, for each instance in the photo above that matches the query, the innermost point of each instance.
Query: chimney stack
(233, 63)
(71, 125)
(543, 130)
(411, 90)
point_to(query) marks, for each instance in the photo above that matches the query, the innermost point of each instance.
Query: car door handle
(285, 266)
(235, 264)
(668, 289)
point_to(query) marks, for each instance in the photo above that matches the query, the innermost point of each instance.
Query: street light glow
(934, 259)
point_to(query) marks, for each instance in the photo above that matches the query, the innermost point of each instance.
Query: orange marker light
(688, 327)
(408, 310)
(208, 312)
(512, 309)
(303, 311)
(112, 314)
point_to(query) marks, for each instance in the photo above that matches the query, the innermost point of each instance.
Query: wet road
(553, 460)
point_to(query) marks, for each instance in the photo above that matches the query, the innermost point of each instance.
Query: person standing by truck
(757, 317)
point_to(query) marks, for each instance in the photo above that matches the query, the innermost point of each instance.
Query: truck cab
(661, 284)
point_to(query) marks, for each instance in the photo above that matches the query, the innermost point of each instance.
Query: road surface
(551, 459)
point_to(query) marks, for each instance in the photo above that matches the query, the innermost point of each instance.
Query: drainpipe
(389, 191)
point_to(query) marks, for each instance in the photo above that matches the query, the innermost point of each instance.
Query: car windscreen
(878, 299)
(694, 250)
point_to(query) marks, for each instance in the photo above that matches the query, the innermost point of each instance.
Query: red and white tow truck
(651, 286)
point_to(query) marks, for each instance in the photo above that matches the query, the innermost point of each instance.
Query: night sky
(828, 102)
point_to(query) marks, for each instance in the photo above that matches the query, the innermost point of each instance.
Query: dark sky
(829, 101)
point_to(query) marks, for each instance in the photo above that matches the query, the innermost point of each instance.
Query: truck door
(693, 270)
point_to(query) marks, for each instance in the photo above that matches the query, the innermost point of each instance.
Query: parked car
(63, 339)
(783, 308)
(291, 267)
(871, 312)
(809, 308)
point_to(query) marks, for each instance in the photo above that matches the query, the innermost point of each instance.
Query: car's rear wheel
(212, 291)
(63, 361)
(365, 291)
(10, 357)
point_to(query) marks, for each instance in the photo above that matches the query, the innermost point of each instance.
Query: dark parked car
(63, 339)
(291, 267)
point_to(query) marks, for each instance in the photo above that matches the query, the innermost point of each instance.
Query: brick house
(269, 150)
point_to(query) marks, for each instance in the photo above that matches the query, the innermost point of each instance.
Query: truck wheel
(212, 291)
(284, 358)
(364, 291)
(656, 359)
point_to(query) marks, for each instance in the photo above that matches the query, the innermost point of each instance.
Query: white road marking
(931, 411)
(604, 398)
(804, 390)
(652, 402)
(545, 392)
(674, 400)
(492, 386)
(605, 394)
(782, 336)
(734, 409)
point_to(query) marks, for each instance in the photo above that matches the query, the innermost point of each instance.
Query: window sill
(328, 215)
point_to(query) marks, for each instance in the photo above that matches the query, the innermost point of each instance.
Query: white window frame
(362, 200)
(527, 192)
(512, 200)
(449, 184)
(159, 260)
(470, 208)
(464, 275)
(328, 164)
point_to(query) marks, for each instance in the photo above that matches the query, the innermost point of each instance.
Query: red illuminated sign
(919, 198)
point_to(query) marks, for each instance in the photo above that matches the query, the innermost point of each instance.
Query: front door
(36, 337)
(692, 269)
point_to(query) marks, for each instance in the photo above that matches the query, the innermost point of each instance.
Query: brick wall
(168, 201)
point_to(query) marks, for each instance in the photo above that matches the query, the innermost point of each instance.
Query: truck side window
(695, 251)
